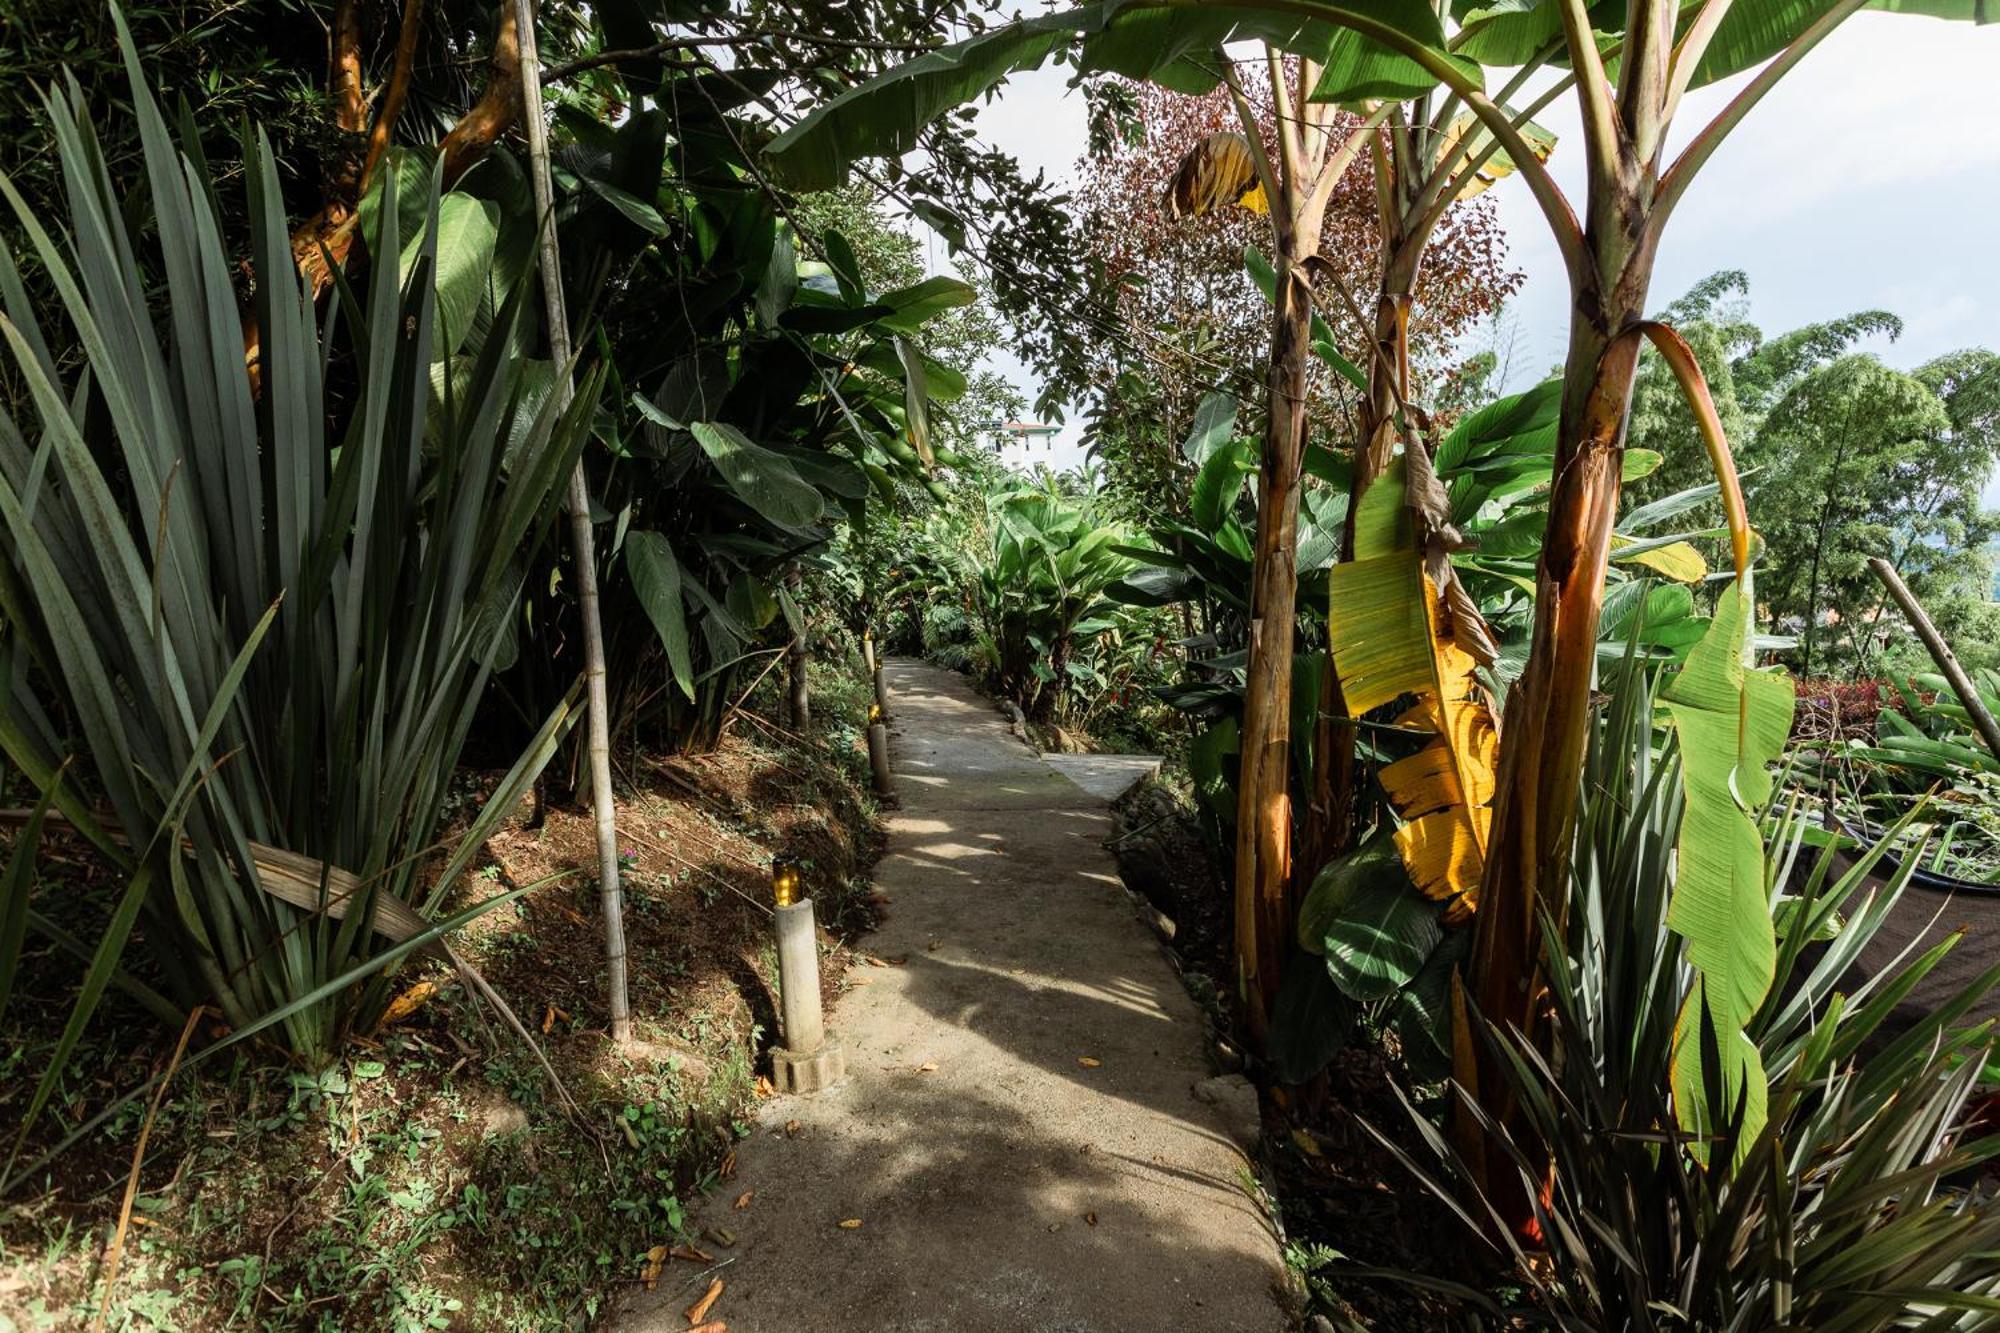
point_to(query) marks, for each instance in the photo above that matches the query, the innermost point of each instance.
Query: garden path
(1029, 1136)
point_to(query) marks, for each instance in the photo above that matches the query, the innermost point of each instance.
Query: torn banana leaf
(1400, 626)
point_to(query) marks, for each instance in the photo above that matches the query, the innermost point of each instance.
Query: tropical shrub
(761, 398)
(1854, 1205)
(262, 617)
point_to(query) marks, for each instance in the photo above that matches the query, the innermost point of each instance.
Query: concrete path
(1029, 1136)
(1105, 776)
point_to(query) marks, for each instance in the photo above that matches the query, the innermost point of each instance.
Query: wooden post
(582, 541)
(878, 758)
(1941, 653)
(800, 656)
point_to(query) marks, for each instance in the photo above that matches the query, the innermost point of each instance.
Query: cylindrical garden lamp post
(807, 1062)
(878, 752)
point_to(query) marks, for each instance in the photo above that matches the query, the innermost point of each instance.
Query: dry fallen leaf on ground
(407, 1003)
(792, 1128)
(728, 1167)
(691, 1254)
(656, 1259)
(1305, 1143)
(743, 1199)
(1089, 1061)
(1090, 1219)
(712, 1326)
(764, 1088)
(927, 1067)
(699, 1310)
(722, 1236)
(850, 1224)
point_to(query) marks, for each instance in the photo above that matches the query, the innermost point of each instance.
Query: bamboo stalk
(582, 540)
(1940, 651)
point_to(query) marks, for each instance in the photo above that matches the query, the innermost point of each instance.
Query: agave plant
(1854, 1204)
(261, 615)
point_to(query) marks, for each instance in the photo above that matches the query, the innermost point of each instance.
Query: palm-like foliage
(263, 614)
(1854, 1206)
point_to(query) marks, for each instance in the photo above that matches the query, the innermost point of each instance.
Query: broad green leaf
(656, 577)
(1752, 31)
(1732, 722)
(467, 229)
(916, 401)
(911, 307)
(1219, 482)
(762, 479)
(1214, 423)
(1173, 45)
(1310, 1022)
(1378, 930)
(780, 282)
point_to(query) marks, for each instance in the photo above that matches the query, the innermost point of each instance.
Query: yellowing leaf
(408, 1003)
(1394, 634)
(850, 1224)
(1217, 172)
(1678, 561)
(656, 1259)
(1499, 166)
(1088, 1061)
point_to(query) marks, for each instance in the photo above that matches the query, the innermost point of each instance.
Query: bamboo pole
(1941, 653)
(582, 540)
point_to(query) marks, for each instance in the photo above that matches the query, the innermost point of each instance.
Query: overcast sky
(1870, 178)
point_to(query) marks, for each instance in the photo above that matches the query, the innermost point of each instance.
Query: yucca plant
(1856, 1204)
(260, 608)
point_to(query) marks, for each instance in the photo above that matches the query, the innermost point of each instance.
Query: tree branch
(398, 90)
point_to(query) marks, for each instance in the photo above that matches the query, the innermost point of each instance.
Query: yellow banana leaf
(1395, 633)
(1217, 172)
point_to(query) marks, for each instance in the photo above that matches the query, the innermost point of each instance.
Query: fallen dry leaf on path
(927, 1067)
(1090, 1219)
(850, 1224)
(764, 1088)
(722, 1236)
(743, 1200)
(1305, 1143)
(792, 1128)
(1089, 1061)
(656, 1259)
(728, 1167)
(699, 1310)
(692, 1255)
(712, 1326)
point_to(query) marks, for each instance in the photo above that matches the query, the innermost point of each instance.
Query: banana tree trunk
(1264, 807)
(1547, 715)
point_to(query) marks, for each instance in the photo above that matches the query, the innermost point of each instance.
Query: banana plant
(1040, 592)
